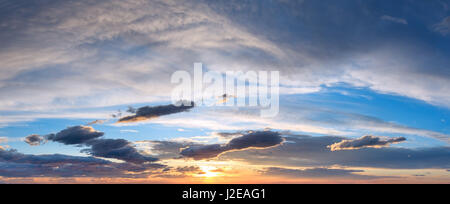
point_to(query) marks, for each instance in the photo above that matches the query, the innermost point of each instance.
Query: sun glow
(209, 172)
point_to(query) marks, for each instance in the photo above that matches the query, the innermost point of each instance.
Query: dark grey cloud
(131, 110)
(204, 152)
(108, 148)
(260, 139)
(75, 135)
(316, 173)
(34, 140)
(190, 169)
(149, 112)
(367, 141)
(230, 134)
(307, 151)
(16, 157)
(117, 149)
(15, 164)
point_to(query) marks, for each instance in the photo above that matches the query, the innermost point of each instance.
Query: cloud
(316, 173)
(129, 131)
(117, 149)
(203, 152)
(3, 140)
(258, 139)
(227, 135)
(309, 120)
(52, 46)
(108, 148)
(15, 164)
(16, 157)
(253, 140)
(96, 122)
(169, 32)
(164, 149)
(443, 27)
(365, 142)
(146, 113)
(308, 151)
(181, 172)
(34, 140)
(75, 135)
(361, 64)
(222, 35)
(395, 20)
(190, 169)
(131, 110)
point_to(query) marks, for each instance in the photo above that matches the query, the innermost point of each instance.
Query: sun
(209, 172)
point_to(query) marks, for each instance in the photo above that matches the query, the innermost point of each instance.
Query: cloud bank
(324, 173)
(307, 151)
(15, 164)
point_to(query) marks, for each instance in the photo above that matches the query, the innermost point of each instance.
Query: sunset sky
(85, 91)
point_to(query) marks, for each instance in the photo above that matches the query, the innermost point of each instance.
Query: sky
(85, 91)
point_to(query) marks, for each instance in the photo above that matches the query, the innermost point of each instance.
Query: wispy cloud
(394, 19)
(443, 27)
(182, 33)
(129, 131)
